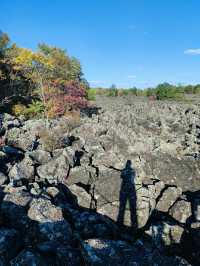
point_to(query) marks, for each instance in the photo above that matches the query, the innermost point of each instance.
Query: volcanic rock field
(59, 204)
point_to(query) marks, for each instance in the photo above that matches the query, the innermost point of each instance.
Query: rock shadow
(191, 235)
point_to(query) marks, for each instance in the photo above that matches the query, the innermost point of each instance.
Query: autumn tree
(51, 76)
(65, 68)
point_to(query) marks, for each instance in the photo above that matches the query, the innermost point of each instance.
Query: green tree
(75, 70)
(4, 43)
(150, 92)
(165, 91)
(65, 68)
(112, 91)
(133, 91)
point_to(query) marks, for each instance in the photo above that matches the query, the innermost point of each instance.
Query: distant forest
(160, 92)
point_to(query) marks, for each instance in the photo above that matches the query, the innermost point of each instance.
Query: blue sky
(126, 42)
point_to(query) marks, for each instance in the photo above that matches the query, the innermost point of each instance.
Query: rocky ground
(59, 203)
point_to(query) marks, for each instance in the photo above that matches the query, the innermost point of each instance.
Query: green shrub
(125, 92)
(112, 91)
(150, 92)
(133, 91)
(190, 89)
(18, 109)
(34, 110)
(91, 94)
(167, 91)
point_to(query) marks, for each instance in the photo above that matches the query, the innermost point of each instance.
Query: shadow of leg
(122, 206)
(133, 211)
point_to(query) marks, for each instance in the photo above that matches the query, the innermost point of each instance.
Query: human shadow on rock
(128, 194)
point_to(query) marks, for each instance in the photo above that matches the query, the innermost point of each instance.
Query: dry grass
(52, 138)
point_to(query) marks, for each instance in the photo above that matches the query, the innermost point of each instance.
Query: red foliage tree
(67, 96)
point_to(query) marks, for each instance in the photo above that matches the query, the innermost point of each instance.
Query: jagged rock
(69, 256)
(42, 210)
(10, 121)
(107, 192)
(100, 252)
(93, 224)
(81, 174)
(107, 159)
(10, 243)
(168, 197)
(3, 178)
(196, 210)
(11, 151)
(19, 138)
(155, 188)
(112, 210)
(143, 210)
(69, 155)
(7, 117)
(18, 197)
(190, 243)
(35, 126)
(22, 170)
(28, 257)
(13, 209)
(165, 234)
(53, 191)
(107, 187)
(145, 205)
(2, 156)
(55, 170)
(162, 141)
(182, 172)
(181, 211)
(195, 225)
(35, 189)
(84, 198)
(57, 152)
(52, 225)
(58, 254)
(40, 156)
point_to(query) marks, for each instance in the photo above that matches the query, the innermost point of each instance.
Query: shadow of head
(128, 164)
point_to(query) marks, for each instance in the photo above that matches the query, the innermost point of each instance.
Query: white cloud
(131, 76)
(192, 51)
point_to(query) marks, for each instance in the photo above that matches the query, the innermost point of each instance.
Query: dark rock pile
(59, 205)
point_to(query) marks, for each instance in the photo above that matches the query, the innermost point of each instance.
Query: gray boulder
(3, 178)
(13, 209)
(181, 211)
(22, 170)
(108, 252)
(165, 234)
(169, 196)
(51, 223)
(55, 170)
(40, 156)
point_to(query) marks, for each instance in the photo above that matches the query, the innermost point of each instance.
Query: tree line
(163, 91)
